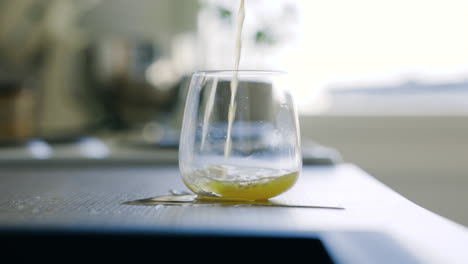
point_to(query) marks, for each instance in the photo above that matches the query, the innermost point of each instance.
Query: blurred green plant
(264, 37)
(224, 14)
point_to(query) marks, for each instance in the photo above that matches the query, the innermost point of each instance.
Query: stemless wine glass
(241, 148)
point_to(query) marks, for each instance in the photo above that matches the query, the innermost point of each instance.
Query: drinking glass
(245, 147)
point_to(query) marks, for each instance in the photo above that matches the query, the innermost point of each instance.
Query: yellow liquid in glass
(234, 183)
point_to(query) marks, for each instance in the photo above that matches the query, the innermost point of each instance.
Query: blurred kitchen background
(381, 84)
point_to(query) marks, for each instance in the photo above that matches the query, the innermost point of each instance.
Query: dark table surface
(90, 198)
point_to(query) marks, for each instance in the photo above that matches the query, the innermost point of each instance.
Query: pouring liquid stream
(225, 181)
(235, 78)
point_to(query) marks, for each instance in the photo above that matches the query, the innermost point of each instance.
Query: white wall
(425, 158)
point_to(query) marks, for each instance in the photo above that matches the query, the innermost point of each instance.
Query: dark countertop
(80, 198)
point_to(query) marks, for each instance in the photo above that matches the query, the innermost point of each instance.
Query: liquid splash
(193, 200)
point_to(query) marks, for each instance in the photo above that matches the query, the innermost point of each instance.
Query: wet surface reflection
(184, 199)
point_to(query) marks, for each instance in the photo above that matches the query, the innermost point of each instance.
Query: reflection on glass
(264, 157)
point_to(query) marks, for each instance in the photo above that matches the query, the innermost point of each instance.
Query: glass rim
(240, 72)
